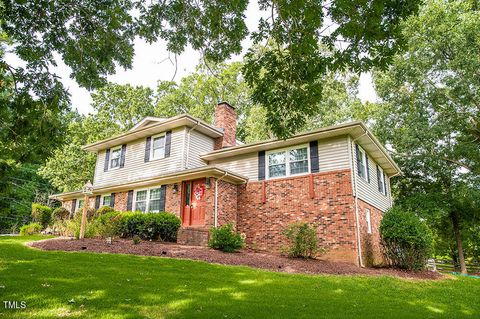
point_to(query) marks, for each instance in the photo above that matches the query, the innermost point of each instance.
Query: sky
(152, 63)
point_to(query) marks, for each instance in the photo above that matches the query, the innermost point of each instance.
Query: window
(362, 165)
(149, 200)
(382, 186)
(369, 223)
(106, 200)
(115, 157)
(287, 162)
(80, 203)
(158, 147)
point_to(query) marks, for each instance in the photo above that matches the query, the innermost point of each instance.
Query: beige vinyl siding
(368, 192)
(199, 144)
(135, 168)
(332, 155)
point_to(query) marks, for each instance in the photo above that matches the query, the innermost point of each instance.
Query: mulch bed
(245, 257)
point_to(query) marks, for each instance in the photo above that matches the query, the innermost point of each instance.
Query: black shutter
(122, 155)
(147, 149)
(379, 181)
(130, 201)
(359, 164)
(163, 196)
(368, 169)
(314, 157)
(107, 159)
(384, 183)
(261, 165)
(168, 143)
(97, 202)
(74, 204)
(112, 200)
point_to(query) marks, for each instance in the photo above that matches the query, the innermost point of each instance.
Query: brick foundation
(371, 249)
(263, 215)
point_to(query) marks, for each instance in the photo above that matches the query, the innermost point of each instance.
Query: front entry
(194, 204)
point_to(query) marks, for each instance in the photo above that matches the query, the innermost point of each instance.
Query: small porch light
(175, 188)
(207, 183)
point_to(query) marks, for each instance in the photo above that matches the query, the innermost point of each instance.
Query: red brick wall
(371, 249)
(173, 200)
(227, 203)
(289, 200)
(67, 205)
(226, 118)
(121, 201)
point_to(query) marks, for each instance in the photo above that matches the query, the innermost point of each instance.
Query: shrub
(30, 229)
(149, 226)
(103, 210)
(303, 241)
(107, 225)
(136, 240)
(76, 223)
(63, 227)
(406, 240)
(41, 214)
(225, 238)
(60, 213)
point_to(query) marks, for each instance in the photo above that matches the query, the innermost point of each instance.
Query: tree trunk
(458, 238)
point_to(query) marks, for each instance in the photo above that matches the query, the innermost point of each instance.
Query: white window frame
(364, 159)
(382, 181)
(77, 204)
(102, 199)
(110, 157)
(287, 150)
(368, 219)
(152, 140)
(147, 200)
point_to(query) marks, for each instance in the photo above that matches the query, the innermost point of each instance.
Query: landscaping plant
(30, 229)
(103, 210)
(149, 226)
(406, 240)
(41, 214)
(107, 225)
(225, 238)
(303, 241)
(60, 213)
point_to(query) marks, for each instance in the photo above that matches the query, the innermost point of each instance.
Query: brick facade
(264, 214)
(371, 249)
(226, 118)
(173, 200)
(121, 201)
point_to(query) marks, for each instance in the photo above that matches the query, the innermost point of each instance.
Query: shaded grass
(89, 285)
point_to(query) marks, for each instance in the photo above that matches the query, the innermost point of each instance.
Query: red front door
(194, 203)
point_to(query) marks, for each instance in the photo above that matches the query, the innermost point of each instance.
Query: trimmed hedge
(41, 214)
(107, 225)
(149, 226)
(407, 241)
(225, 238)
(104, 210)
(30, 229)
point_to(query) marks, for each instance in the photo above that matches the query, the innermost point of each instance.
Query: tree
(430, 104)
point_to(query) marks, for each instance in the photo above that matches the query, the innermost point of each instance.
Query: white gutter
(357, 219)
(216, 199)
(188, 144)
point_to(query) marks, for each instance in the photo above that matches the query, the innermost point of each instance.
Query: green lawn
(87, 285)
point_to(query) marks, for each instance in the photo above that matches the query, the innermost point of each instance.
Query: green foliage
(63, 227)
(30, 229)
(103, 210)
(406, 240)
(149, 226)
(136, 240)
(303, 241)
(225, 238)
(76, 223)
(41, 214)
(60, 213)
(107, 224)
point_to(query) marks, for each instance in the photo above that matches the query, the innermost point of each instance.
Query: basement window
(369, 222)
(288, 162)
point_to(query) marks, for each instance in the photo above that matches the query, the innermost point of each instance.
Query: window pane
(277, 170)
(299, 167)
(298, 154)
(158, 142)
(159, 153)
(141, 206)
(107, 200)
(154, 205)
(141, 196)
(276, 158)
(80, 203)
(155, 193)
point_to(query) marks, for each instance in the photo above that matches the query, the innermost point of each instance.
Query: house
(337, 178)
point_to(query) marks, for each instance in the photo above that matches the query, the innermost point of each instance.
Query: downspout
(216, 199)
(354, 178)
(185, 164)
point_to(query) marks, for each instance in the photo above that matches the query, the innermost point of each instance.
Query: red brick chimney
(226, 119)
